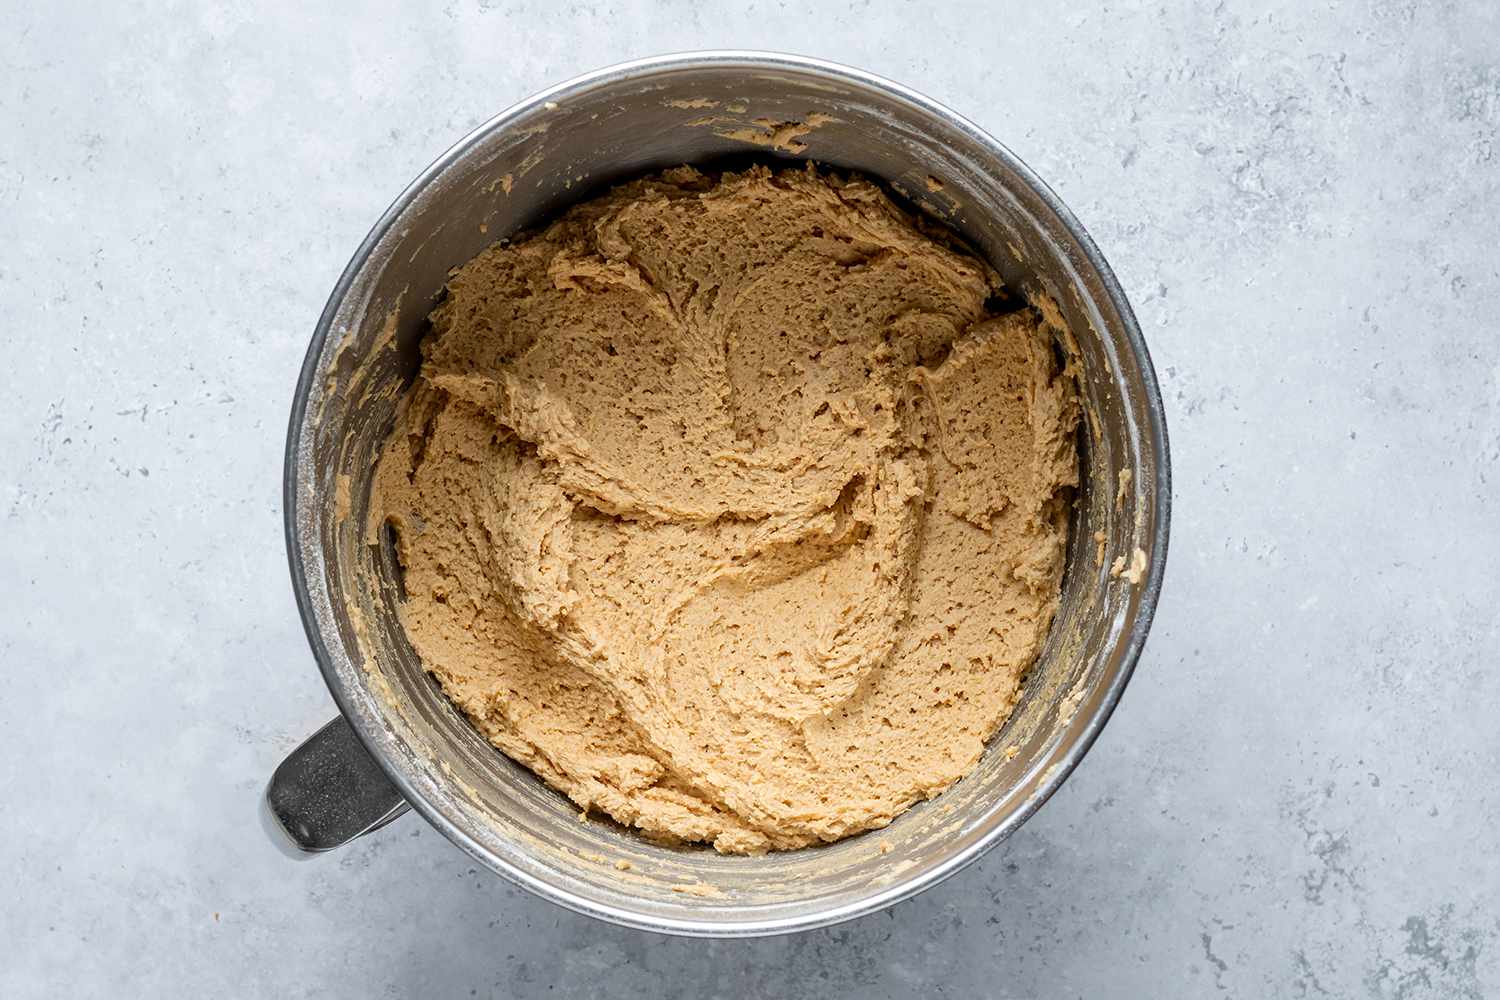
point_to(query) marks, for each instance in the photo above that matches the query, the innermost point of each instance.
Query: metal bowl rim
(377, 741)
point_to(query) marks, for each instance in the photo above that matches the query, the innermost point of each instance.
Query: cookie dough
(729, 507)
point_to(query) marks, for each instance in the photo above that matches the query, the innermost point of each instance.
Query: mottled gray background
(1298, 794)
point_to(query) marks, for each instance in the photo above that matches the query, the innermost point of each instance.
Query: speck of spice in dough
(725, 505)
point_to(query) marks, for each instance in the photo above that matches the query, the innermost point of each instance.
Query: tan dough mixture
(726, 506)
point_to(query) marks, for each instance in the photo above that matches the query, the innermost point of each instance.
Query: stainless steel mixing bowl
(400, 741)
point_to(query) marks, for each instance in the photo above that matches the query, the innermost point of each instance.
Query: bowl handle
(327, 792)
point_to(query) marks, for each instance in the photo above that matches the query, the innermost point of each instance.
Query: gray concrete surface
(1298, 795)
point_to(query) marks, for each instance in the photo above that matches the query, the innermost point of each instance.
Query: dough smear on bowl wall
(729, 506)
